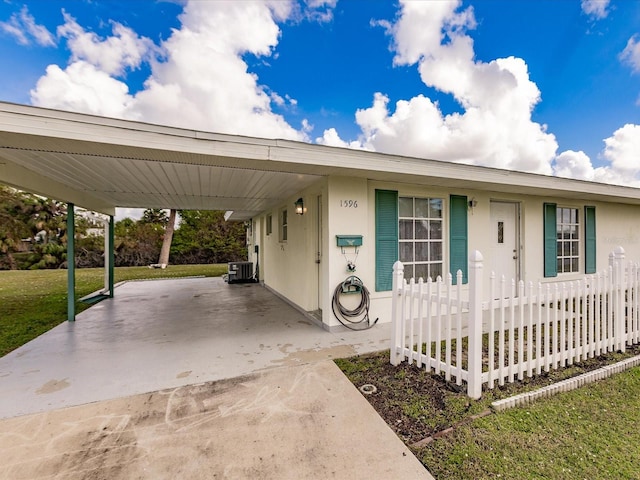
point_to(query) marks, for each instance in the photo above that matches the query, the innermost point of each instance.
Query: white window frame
(569, 240)
(414, 268)
(269, 226)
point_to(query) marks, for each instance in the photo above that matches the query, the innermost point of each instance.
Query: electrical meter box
(349, 240)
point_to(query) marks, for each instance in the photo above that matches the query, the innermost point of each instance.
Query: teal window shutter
(550, 240)
(386, 237)
(589, 239)
(458, 236)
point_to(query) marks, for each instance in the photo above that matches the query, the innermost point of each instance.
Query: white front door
(505, 240)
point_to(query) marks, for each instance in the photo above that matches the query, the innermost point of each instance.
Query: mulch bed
(417, 404)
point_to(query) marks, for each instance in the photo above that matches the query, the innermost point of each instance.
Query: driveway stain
(53, 386)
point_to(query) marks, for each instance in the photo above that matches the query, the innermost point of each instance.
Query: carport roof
(101, 163)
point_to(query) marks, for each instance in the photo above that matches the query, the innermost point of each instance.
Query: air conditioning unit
(240, 272)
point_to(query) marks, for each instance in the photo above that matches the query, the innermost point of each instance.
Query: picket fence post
(474, 379)
(619, 293)
(396, 312)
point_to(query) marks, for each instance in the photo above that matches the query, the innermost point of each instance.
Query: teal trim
(550, 240)
(71, 263)
(458, 237)
(589, 239)
(386, 237)
(110, 255)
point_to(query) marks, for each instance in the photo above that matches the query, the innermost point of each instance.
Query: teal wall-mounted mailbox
(349, 240)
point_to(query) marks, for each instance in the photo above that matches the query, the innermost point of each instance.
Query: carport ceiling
(101, 163)
(131, 182)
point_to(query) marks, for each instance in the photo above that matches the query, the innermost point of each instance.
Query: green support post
(71, 263)
(111, 255)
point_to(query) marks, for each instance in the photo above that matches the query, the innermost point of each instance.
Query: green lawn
(589, 433)
(34, 301)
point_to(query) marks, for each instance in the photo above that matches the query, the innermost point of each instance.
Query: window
(283, 225)
(269, 224)
(420, 236)
(563, 242)
(568, 240)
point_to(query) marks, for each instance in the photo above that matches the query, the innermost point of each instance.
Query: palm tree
(167, 239)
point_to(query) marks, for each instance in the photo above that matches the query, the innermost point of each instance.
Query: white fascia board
(79, 133)
(377, 166)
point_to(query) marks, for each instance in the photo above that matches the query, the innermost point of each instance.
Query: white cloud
(331, 138)
(320, 10)
(498, 97)
(81, 87)
(201, 81)
(306, 126)
(277, 99)
(24, 28)
(622, 150)
(631, 54)
(113, 55)
(571, 164)
(597, 9)
(205, 69)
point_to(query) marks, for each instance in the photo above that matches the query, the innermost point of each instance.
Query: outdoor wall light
(299, 204)
(472, 203)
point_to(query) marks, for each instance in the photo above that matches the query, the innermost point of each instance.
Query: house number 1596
(349, 203)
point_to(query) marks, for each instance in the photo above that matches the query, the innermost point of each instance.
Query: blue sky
(547, 86)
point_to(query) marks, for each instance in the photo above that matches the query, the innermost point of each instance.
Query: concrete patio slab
(165, 334)
(301, 422)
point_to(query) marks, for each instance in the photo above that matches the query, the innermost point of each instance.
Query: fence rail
(522, 330)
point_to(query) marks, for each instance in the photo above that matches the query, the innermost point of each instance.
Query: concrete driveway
(164, 334)
(303, 422)
(193, 378)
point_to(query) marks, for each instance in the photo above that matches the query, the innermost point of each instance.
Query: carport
(99, 164)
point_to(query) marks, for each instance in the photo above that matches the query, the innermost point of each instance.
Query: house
(318, 215)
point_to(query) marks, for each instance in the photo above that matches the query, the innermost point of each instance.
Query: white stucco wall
(289, 267)
(348, 208)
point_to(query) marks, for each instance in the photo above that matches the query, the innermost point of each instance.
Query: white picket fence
(522, 330)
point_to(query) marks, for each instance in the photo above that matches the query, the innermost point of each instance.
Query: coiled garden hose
(354, 319)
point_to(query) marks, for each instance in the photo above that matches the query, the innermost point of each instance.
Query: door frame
(318, 250)
(519, 250)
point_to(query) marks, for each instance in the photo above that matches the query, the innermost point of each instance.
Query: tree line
(33, 235)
